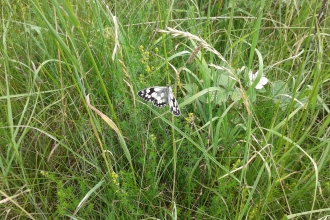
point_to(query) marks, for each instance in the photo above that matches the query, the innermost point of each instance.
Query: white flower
(263, 80)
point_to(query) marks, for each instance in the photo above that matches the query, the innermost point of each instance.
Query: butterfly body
(160, 96)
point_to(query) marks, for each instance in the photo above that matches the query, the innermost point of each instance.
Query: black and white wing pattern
(160, 96)
(174, 106)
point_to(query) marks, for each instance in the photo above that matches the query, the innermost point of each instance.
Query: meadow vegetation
(77, 142)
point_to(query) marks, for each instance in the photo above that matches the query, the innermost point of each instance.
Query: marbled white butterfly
(161, 96)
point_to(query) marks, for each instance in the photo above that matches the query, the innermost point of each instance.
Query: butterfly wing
(161, 96)
(174, 106)
(157, 95)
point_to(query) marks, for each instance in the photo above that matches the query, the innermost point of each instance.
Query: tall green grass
(76, 141)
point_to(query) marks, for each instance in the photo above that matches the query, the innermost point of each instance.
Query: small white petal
(263, 80)
(252, 76)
